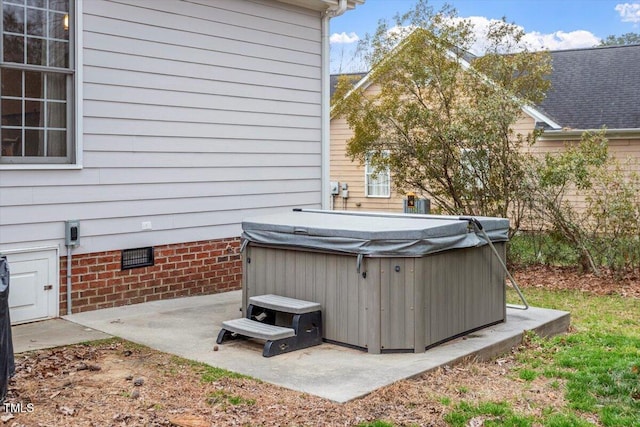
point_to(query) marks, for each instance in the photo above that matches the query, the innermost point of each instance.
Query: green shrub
(603, 226)
(530, 248)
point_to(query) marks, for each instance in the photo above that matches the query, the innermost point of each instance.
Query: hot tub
(386, 282)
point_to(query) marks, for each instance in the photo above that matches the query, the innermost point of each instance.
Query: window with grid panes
(37, 74)
(377, 181)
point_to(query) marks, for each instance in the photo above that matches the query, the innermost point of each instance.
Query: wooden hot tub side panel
(329, 279)
(443, 290)
(402, 303)
(397, 303)
(464, 290)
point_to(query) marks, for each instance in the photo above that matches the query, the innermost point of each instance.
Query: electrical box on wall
(335, 188)
(345, 190)
(72, 232)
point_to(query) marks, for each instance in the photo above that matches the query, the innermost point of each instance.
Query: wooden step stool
(286, 324)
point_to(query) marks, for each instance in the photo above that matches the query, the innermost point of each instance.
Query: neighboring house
(590, 88)
(158, 126)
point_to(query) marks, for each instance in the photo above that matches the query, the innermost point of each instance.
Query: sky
(549, 24)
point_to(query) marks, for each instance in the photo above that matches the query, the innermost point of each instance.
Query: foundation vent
(134, 258)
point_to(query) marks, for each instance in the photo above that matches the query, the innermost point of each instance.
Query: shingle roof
(334, 79)
(591, 88)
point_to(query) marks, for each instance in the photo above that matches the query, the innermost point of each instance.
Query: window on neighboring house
(377, 183)
(37, 74)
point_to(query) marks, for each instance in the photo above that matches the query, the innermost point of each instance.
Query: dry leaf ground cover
(172, 391)
(117, 383)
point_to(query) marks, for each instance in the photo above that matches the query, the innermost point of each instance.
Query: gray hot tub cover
(371, 234)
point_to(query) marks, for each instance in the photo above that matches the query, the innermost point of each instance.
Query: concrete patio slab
(188, 327)
(51, 333)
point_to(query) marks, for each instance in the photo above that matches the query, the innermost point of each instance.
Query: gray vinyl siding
(195, 115)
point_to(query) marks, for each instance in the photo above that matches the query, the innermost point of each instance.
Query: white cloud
(480, 28)
(344, 38)
(629, 12)
(346, 61)
(559, 40)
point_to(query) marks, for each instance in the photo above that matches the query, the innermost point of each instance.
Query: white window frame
(74, 126)
(371, 174)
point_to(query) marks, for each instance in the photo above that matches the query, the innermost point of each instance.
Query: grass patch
(494, 414)
(224, 398)
(528, 375)
(209, 374)
(600, 362)
(566, 420)
(603, 376)
(463, 390)
(608, 314)
(491, 413)
(104, 342)
(376, 423)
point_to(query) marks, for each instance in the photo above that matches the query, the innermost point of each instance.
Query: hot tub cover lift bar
(478, 226)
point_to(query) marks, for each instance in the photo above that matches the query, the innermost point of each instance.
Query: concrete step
(284, 304)
(254, 329)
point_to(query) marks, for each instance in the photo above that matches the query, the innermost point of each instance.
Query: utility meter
(335, 188)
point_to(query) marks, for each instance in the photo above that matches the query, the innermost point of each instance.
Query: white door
(33, 288)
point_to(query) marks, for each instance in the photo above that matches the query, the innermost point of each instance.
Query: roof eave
(539, 116)
(366, 81)
(322, 5)
(536, 114)
(363, 84)
(576, 134)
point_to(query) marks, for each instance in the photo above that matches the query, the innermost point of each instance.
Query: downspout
(68, 280)
(325, 102)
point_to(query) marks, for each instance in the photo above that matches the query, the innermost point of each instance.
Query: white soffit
(322, 5)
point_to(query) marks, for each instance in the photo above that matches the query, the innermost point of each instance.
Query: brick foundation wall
(184, 269)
